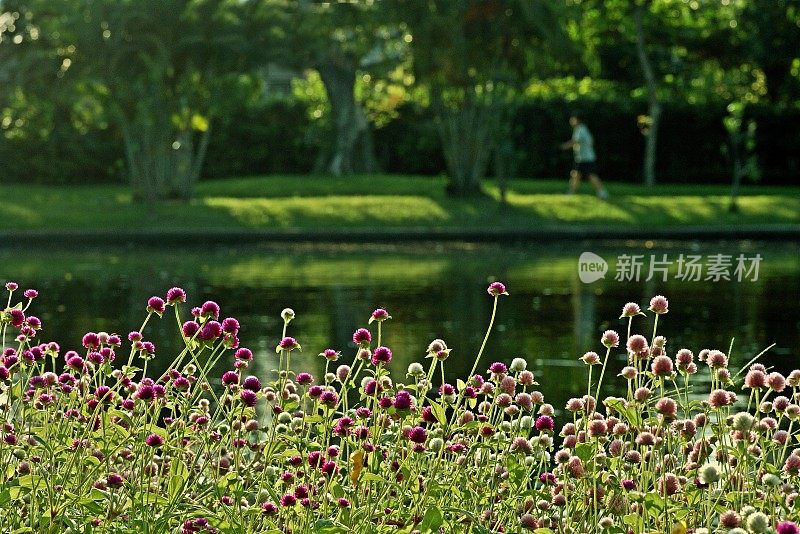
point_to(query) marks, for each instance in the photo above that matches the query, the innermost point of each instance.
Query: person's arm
(566, 145)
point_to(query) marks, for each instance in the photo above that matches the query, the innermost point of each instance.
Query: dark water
(550, 318)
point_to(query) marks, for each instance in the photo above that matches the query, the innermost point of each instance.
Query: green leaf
(326, 526)
(585, 451)
(438, 412)
(543, 531)
(432, 520)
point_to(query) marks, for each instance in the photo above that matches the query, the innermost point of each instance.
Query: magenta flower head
(418, 434)
(210, 331)
(629, 484)
(17, 317)
(755, 379)
(244, 354)
(332, 355)
(269, 508)
(381, 355)
(496, 289)
(379, 315)
(249, 398)
(156, 305)
(230, 378)
(362, 337)
(787, 527)
(659, 304)
(91, 341)
(230, 325)
(288, 344)
(630, 309)
(210, 309)
(175, 295)
(12, 286)
(252, 383)
(288, 500)
(154, 440)
(498, 368)
(31, 293)
(545, 423)
(304, 379)
(610, 339)
(190, 328)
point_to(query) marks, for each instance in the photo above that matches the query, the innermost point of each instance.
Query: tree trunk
(466, 133)
(352, 149)
(654, 107)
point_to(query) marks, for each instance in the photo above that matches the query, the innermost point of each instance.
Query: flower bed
(91, 443)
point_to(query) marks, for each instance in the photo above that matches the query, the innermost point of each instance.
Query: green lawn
(384, 201)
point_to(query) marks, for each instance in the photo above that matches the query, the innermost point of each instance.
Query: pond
(431, 290)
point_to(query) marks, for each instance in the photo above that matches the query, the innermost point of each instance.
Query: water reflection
(551, 317)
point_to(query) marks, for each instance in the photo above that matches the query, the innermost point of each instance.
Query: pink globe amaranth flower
(230, 378)
(210, 309)
(716, 359)
(498, 368)
(175, 295)
(719, 398)
(668, 484)
(730, 519)
(630, 309)
(190, 328)
(91, 341)
(629, 484)
(545, 423)
(154, 440)
(418, 434)
(288, 343)
(641, 394)
(156, 305)
(333, 355)
(590, 358)
(659, 304)
(683, 358)
(575, 466)
(776, 382)
(381, 355)
(210, 331)
(661, 366)
(787, 527)
(31, 293)
(329, 398)
(230, 325)
(793, 380)
(496, 289)
(574, 405)
(181, 383)
(12, 286)
(610, 339)
(342, 502)
(525, 401)
(248, 397)
(114, 480)
(269, 508)
(637, 346)
(792, 465)
(755, 379)
(667, 407)
(629, 373)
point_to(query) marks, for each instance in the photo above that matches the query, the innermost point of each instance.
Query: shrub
(86, 441)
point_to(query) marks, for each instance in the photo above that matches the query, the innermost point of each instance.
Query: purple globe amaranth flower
(403, 400)
(342, 502)
(91, 341)
(269, 508)
(175, 295)
(379, 315)
(210, 309)
(329, 398)
(496, 289)
(362, 337)
(787, 527)
(381, 355)
(190, 328)
(544, 423)
(30, 293)
(12, 286)
(154, 440)
(498, 368)
(230, 325)
(211, 330)
(230, 378)
(156, 305)
(659, 304)
(418, 434)
(248, 397)
(288, 343)
(244, 354)
(304, 379)
(252, 383)
(288, 500)
(629, 484)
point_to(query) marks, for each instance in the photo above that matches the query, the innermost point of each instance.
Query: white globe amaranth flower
(518, 365)
(287, 314)
(415, 369)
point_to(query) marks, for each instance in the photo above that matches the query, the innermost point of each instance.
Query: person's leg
(574, 181)
(598, 186)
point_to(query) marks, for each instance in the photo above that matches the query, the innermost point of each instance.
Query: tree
(640, 11)
(474, 57)
(160, 70)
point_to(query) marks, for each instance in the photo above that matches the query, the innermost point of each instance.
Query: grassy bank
(282, 202)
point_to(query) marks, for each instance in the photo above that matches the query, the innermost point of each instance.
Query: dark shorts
(585, 167)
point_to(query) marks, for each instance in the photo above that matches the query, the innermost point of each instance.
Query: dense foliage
(92, 444)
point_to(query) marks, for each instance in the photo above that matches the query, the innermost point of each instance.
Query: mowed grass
(390, 202)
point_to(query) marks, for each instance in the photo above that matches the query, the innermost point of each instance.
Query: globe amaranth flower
(610, 339)
(252, 383)
(332, 355)
(209, 309)
(381, 355)
(288, 344)
(659, 304)
(230, 378)
(154, 440)
(175, 295)
(496, 289)
(417, 434)
(631, 309)
(787, 527)
(156, 305)
(379, 315)
(637, 346)
(230, 325)
(304, 379)
(544, 423)
(590, 358)
(248, 397)
(30, 294)
(287, 314)
(661, 366)
(498, 368)
(12, 286)
(362, 337)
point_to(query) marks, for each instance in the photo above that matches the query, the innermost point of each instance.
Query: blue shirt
(583, 144)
